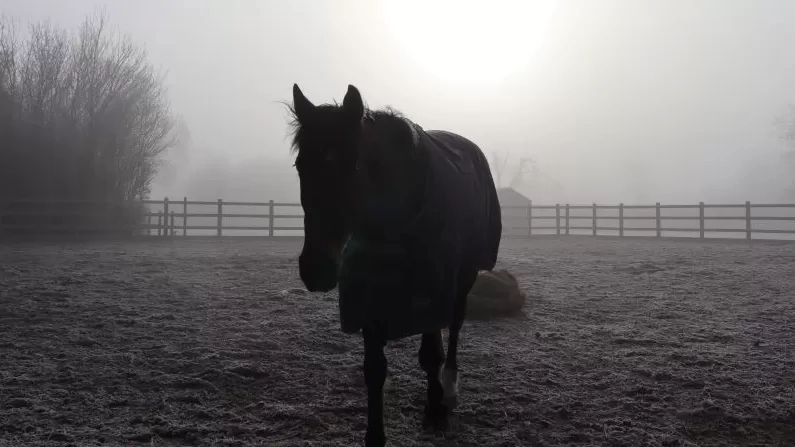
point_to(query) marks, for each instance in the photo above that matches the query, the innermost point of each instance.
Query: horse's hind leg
(431, 357)
(450, 372)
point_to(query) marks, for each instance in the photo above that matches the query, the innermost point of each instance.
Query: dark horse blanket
(407, 287)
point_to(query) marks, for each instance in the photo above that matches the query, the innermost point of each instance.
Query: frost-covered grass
(212, 342)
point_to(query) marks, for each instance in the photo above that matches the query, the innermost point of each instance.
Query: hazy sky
(617, 99)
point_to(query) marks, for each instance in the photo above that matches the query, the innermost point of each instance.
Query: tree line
(83, 115)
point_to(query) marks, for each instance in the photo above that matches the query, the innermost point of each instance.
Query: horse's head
(326, 141)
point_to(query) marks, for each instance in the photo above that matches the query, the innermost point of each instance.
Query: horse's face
(327, 139)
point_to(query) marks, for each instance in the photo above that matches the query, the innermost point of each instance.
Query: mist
(621, 101)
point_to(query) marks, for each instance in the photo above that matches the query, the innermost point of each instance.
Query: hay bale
(494, 294)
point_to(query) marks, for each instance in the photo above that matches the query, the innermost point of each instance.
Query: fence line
(174, 217)
(166, 218)
(565, 220)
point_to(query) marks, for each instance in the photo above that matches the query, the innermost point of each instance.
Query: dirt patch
(212, 342)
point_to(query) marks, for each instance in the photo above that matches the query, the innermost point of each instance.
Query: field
(212, 342)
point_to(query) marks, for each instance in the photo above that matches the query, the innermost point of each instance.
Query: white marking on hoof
(387, 385)
(449, 379)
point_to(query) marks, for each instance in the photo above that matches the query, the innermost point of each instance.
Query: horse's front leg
(374, 377)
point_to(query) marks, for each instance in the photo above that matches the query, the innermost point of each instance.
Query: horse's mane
(403, 130)
(392, 122)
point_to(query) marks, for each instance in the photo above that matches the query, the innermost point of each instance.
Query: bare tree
(85, 115)
(82, 116)
(786, 126)
(498, 166)
(521, 170)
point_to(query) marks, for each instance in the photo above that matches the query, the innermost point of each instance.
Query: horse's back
(462, 186)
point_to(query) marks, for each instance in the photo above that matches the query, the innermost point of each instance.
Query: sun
(467, 41)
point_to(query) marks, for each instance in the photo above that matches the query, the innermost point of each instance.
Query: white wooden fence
(184, 217)
(747, 220)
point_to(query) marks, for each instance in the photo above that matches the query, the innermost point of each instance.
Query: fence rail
(188, 217)
(170, 222)
(660, 221)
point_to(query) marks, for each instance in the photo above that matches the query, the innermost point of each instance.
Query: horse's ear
(353, 104)
(302, 106)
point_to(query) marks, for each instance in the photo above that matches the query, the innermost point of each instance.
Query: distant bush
(94, 219)
(82, 117)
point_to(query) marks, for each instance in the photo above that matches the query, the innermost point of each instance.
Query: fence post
(748, 220)
(184, 216)
(148, 224)
(165, 216)
(567, 219)
(530, 219)
(220, 217)
(171, 227)
(593, 219)
(701, 219)
(271, 217)
(659, 226)
(160, 222)
(557, 219)
(621, 219)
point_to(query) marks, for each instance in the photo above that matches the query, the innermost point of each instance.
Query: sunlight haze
(615, 100)
(470, 42)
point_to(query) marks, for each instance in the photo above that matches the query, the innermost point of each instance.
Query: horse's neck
(391, 182)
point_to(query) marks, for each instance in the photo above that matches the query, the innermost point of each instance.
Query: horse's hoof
(436, 418)
(451, 402)
(372, 439)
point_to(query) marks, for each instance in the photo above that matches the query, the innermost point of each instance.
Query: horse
(400, 220)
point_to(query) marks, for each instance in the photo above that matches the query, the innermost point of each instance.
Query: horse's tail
(493, 210)
(495, 224)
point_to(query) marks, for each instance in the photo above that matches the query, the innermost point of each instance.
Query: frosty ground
(213, 342)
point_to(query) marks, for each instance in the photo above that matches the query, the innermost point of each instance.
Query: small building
(514, 211)
(511, 197)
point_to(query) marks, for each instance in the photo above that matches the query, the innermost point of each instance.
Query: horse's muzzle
(318, 271)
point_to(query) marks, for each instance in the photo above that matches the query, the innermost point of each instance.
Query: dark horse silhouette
(402, 220)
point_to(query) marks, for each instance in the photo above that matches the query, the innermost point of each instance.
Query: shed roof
(510, 197)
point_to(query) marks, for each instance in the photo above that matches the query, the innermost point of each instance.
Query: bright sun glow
(466, 41)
